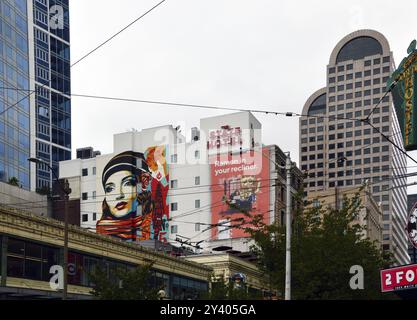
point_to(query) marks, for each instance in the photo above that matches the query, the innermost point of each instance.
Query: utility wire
(201, 106)
(380, 100)
(101, 201)
(116, 34)
(85, 56)
(389, 140)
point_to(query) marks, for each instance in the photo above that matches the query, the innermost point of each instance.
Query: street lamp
(66, 191)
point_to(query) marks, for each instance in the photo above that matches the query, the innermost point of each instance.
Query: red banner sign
(239, 184)
(400, 278)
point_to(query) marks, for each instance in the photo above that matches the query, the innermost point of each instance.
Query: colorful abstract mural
(135, 207)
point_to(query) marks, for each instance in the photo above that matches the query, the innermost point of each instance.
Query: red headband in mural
(133, 162)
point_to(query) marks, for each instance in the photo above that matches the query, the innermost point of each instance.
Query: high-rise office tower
(34, 55)
(341, 153)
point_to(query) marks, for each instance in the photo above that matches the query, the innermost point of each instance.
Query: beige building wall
(370, 215)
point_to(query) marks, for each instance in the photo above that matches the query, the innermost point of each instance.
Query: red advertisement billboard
(242, 182)
(399, 278)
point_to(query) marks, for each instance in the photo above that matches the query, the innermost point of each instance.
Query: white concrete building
(190, 178)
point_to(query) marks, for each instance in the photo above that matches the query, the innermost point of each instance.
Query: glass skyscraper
(34, 55)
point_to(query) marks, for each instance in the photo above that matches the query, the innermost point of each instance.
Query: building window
(85, 196)
(174, 158)
(94, 171)
(197, 227)
(174, 184)
(85, 218)
(197, 204)
(94, 216)
(174, 206)
(29, 260)
(197, 181)
(94, 194)
(174, 229)
(197, 154)
(85, 172)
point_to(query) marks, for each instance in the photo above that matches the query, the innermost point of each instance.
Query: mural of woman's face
(121, 191)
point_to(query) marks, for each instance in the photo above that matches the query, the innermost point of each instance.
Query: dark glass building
(34, 55)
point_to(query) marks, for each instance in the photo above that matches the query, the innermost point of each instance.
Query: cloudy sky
(257, 54)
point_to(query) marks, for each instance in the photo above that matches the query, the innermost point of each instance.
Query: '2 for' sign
(400, 278)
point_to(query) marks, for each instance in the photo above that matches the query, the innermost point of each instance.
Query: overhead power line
(390, 141)
(87, 54)
(117, 33)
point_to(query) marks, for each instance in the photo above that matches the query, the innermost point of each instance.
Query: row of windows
(41, 18)
(85, 171)
(174, 183)
(43, 147)
(358, 104)
(321, 138)
(360, 74)
(349, 96)
(84, 195)
(349, 173)
(85, 217)
(342, 183)
(42, 38)
(42, 55)
(359, 152)
(197, 228)
(361, 83)
(174, 157)
(358, 94)
(340, 164)
(341, 126)
(342, 68)
(174, 205)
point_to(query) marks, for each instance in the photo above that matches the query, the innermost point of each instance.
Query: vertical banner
(240, 190)
(403, 83)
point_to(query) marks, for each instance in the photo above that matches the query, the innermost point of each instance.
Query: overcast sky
(257, 54)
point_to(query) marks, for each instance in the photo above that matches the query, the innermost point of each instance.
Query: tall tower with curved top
(337, 150)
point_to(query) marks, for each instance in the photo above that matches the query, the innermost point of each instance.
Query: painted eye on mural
(130, 182)
(109, 187)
